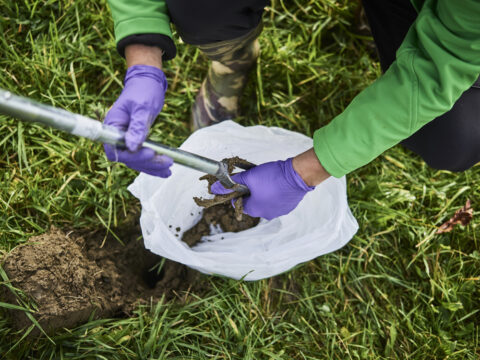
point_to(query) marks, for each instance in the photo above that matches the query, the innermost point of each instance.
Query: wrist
(308, 167)
(138, 54)
(147, 72)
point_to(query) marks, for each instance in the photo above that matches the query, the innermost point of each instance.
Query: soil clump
(70, 276)
(223, 216)
(218, 211)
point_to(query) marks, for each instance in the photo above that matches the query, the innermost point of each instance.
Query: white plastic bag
(320, 224)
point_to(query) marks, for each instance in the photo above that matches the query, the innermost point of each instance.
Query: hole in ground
(83, 277)
(152, 275)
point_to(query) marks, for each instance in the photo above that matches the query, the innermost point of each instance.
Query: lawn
(397, 290)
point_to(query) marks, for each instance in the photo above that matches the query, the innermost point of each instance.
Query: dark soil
(70, 276)
(222, 215)
(218, 211)
(236, 196)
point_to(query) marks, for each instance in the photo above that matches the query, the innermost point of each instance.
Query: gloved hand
(134, 112)
(275, 189)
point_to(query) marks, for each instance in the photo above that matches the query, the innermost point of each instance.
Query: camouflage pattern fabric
(219, 94)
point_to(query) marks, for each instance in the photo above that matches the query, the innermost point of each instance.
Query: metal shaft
(28, 110)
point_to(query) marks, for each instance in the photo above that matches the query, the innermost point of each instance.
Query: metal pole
(28, 110)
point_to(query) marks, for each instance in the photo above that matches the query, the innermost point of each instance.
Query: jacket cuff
(325, 154)
(162, 41)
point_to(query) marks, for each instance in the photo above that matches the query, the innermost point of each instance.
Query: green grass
(396, 291)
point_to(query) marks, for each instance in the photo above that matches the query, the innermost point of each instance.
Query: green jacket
(133, 17)
(438, 60)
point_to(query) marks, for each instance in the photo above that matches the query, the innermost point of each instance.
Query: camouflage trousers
(231, 61)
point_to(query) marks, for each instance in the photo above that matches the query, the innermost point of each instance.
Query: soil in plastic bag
(218, 212)
(223, 216)
(70, 276)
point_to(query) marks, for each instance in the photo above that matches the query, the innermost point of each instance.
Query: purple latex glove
(134, 112)
(275, 189)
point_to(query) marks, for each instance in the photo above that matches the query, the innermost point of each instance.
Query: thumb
(117, 118)
(241, 177)
(138, 128)
(218, 189)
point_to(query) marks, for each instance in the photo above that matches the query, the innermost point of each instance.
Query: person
(428, 97)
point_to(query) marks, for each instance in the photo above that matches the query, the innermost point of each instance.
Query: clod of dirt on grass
(462, 216)
(69, 277)
(218, 212)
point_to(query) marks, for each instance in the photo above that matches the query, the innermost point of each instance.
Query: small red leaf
(462, 216)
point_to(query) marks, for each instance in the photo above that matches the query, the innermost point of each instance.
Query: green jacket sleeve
(438, 60)
(133, 17)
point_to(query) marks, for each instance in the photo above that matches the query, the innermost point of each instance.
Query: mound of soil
(71, 276)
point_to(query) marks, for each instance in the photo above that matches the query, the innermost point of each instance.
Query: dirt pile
(70, 276)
